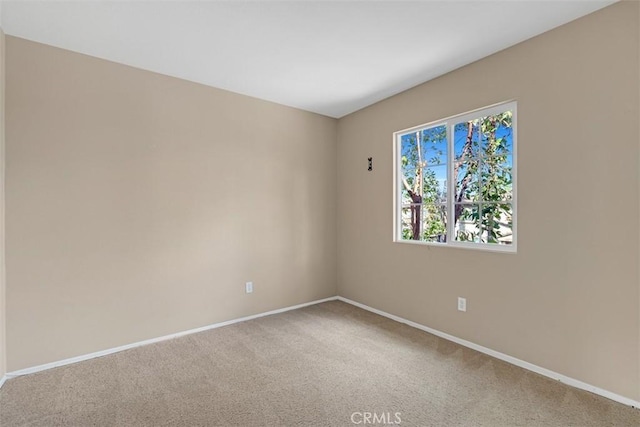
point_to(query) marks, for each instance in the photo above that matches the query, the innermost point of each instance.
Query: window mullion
(422, 172)
(450, 184)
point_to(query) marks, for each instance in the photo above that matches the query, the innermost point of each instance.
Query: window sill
(510, 249)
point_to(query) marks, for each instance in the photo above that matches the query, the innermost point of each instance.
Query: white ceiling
(331, 58)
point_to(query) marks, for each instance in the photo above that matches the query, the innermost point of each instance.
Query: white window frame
(450, 123)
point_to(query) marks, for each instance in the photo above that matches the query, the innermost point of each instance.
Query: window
(456, 181)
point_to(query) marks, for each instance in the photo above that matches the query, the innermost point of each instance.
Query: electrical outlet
(248, 287)
(462, 304)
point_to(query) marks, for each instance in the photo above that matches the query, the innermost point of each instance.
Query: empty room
(320, 213)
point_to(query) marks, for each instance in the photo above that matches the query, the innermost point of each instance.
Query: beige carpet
(323, 365)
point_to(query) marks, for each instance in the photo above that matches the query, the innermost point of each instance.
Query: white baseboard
(505, 357)
(509, 359)
(76, 359)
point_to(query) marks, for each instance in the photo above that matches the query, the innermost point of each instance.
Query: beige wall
(139, 204)
(3, 309)
(569, 299)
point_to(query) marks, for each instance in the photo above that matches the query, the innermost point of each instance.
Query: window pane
(409, 151)
(466, 139)
(411, 222)
(435, 223)
(466, 223)
(435, 184)
(484, 136)
(496, 134)
(496, 178)
(434, 145)
(467, 182)
(497, 223)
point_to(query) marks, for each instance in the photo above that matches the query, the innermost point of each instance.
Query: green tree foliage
(421, 151)
(484, 181)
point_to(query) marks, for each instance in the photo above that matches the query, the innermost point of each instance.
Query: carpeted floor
(324, 365)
